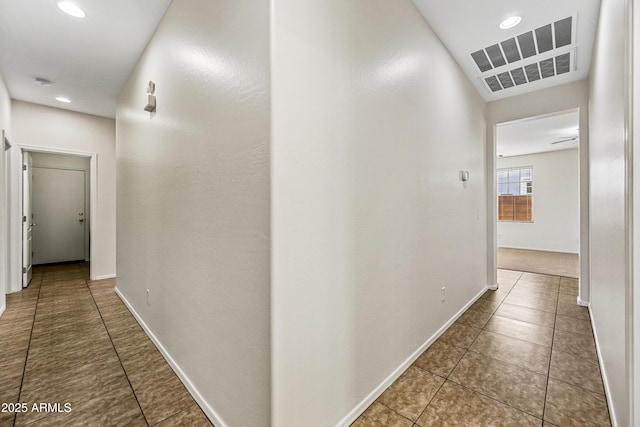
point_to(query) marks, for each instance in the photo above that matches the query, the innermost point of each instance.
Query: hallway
(519, 355)
(66, 339)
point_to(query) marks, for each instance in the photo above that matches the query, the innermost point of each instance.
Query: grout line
(391, 409)
(553, 334)
(496, 400)
(434, 394)
(603, 394)
(116, 352)
(467, 350)
(26, 358)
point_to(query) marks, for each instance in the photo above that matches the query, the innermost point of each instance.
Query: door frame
(16, 203)
(578, 103)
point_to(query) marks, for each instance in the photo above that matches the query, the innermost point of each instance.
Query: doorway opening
(56, 210)
(538, 194)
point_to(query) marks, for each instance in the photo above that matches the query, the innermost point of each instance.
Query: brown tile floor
(66, 339)
(522, 355)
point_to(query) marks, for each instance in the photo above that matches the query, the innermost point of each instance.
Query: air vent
(518, 76)
(563, 64)
(563, 32)
(544, 69)
(481, 60)
(510, 49)
(547, 69)
(527, 45)
(495, 55)
(543, 39)
(493, 83)
(540, 54)
(533, 72)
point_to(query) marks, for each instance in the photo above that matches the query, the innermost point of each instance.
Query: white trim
(16, 171)
(2, 309)
(603, 372)
(583, 303)
(105, 276)
(376, 392)
(540, 250)
(204, 405)
(634, 286)
(630, 191)
(93, 211)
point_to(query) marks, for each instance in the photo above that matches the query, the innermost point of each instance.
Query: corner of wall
(197, 396)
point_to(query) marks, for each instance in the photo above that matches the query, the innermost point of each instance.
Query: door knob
(81, 220)
(33, 225)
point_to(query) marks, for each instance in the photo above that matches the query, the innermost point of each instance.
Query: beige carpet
(554, 263)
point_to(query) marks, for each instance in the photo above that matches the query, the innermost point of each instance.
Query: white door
(58, 209)
(27, 220)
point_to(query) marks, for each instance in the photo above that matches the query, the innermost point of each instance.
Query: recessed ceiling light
(63, 99)
(70, 8)
(510, 22)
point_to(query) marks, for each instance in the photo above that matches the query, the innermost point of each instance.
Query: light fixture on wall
(71, 9)
(510, 22)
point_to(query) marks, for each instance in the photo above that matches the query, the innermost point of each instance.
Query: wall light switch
(464, 176)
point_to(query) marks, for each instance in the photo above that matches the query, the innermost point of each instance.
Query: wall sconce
(151, 103)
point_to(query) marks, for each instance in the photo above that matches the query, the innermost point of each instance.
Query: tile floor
(520, 355)
(523, 355)
(66, 339)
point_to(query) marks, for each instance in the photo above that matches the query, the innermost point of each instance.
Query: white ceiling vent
(545, 52)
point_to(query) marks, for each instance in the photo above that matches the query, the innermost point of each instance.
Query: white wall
(55, 129)
(609, 228)
(193, 201)
(372, 122)
(557, 99)
(556, 205)
(57, 161)
(5, 124)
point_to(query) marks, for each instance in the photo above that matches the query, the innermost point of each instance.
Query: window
(515, 194)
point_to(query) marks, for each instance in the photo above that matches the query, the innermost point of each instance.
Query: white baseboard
(376, 392)
(540, 249)
(603, 372)
(583, 303)
(105, 276)
(2, 309)
(204, 405)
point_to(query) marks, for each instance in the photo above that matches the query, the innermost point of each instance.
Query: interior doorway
(60, 209)
(57, 212)
(538, 194)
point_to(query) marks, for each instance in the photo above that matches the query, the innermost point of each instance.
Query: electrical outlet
(443, 292)
(148, 297)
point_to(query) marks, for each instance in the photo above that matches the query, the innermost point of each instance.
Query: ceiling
(538, 134)
(536, 54)
(88, 60)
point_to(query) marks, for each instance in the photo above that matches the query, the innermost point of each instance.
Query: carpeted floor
(553, 263)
